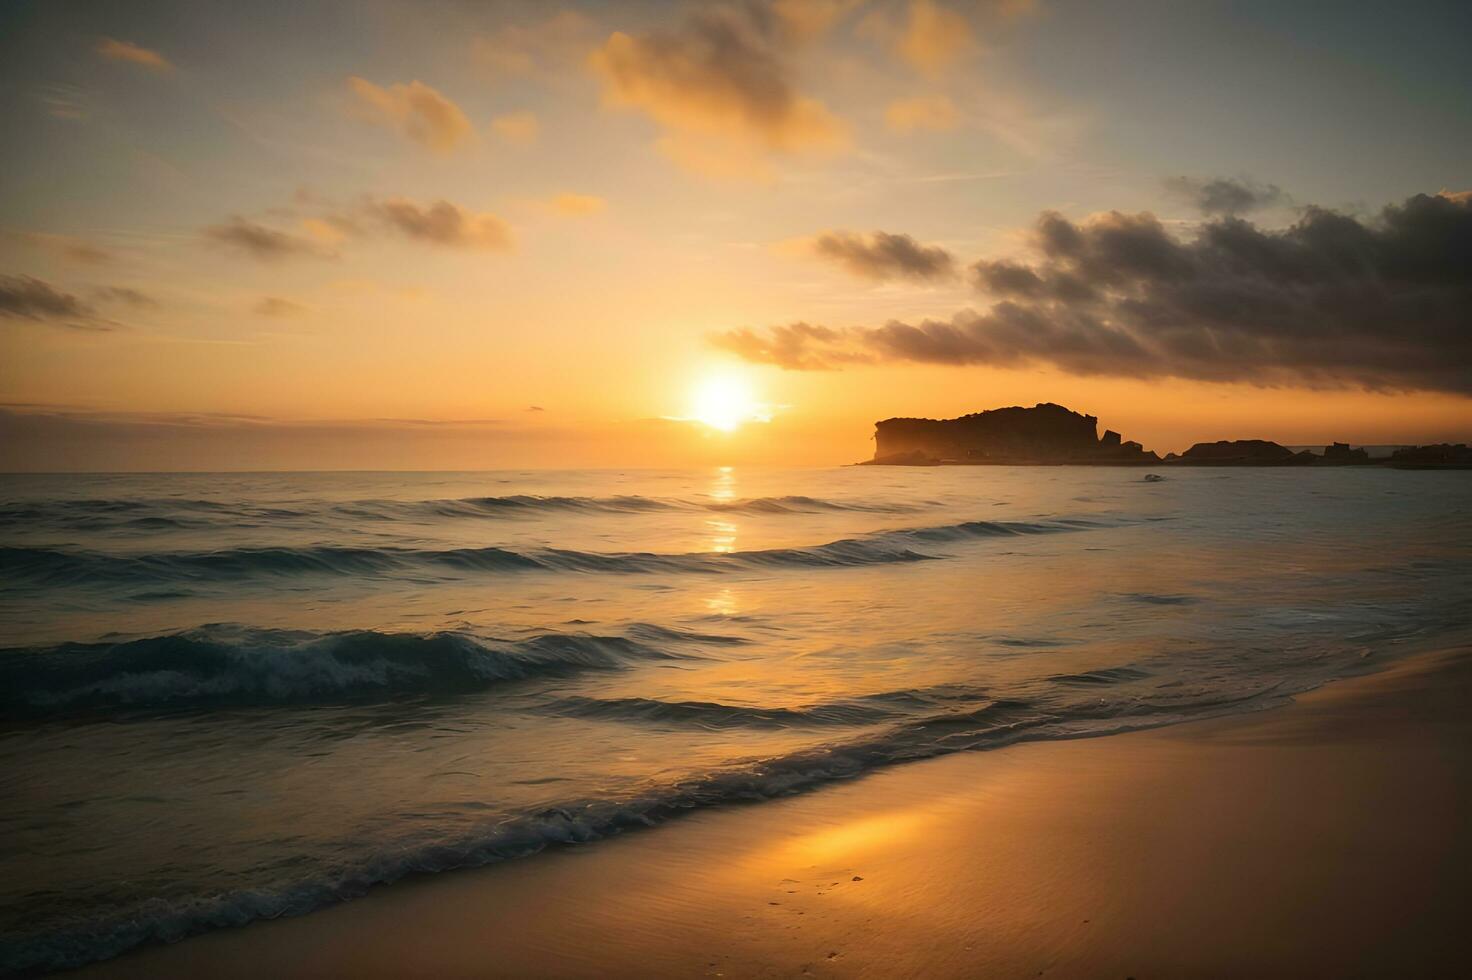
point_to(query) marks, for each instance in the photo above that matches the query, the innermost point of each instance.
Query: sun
(723, 401)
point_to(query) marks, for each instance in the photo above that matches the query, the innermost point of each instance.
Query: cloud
(331, 230)
(443, 223)
(882, 255)
(578, 204)
(438, 223)
(722, 86)
(808, 19)
(517, 128)
(547, 48)
(934, 112)
(63, 101)
(275, 306)
(126, 51)
(125, 295)
(27, 298)
(67, 247)
(416, 111)
(1225, 195)
(931, 40)
(794, 347)
(1333, 300)
(260, 242)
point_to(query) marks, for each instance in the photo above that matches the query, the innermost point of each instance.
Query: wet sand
(1325, 838)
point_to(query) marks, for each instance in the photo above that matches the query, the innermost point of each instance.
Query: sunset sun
(723, 402)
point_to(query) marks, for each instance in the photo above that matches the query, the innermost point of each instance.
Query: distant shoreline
(1051, 435)
(1174, 463)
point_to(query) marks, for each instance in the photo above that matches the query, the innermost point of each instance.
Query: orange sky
(409, 236)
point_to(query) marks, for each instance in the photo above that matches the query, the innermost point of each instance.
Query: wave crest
(238, 665)
(48, 567)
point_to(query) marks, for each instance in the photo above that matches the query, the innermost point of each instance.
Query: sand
(1325, 838)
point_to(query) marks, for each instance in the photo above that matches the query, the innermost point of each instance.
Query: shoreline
(1321, 837)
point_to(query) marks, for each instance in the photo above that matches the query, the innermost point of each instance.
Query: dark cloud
(1333, 300)
(1225, 195)
(259, 241)
(25, 298)
(883, 255)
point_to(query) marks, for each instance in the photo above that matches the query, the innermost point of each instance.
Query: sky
(456, 235)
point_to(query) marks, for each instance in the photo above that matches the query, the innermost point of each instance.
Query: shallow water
(234, 696)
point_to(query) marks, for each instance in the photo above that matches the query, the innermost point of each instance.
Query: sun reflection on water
(723, 603)
(723, 486)
(723, 536)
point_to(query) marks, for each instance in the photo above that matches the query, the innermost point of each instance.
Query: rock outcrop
(1046, 433)
(1443, 456)
(1339, 454)
(1244, 452)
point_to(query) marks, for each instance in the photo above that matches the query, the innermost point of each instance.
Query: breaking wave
(221, 665)
(985, 725)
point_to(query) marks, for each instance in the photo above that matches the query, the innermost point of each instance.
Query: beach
(1321, 838)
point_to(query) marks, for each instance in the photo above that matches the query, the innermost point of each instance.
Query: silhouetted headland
(1051, 435)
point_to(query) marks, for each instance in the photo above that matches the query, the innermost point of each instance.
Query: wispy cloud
(881, 255)
(517, 128)
(133, 54)
(63, 101)
(443, 223)
(275, 306)
(932, 112)
(126, 295)
(415, 110)
(578, 205)
(549, 48)
(67, 247)
(329, 227)
(261, 242)
(27, 298)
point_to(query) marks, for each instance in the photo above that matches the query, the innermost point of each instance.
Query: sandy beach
(1323, 838)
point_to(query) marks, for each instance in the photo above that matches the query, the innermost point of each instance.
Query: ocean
(226, 697)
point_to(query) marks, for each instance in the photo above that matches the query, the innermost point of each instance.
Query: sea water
(233, 696)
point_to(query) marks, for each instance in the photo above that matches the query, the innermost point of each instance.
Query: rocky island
(1044, 434)
(1051, 435)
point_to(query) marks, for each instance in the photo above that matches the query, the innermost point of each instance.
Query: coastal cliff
(1046, 433)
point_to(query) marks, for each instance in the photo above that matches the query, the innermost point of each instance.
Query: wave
(796, 504)
(1093, 678)
(223, 664)
(867, 709)
(163, 513)
(54, 567)
(988, 725)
